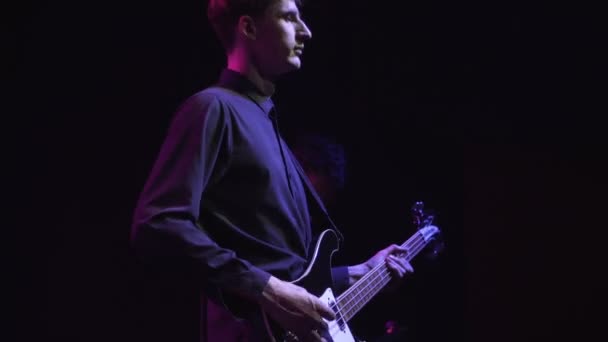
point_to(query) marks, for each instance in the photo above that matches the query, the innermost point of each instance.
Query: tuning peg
(417, 214)
(428, 219)
(418, 206)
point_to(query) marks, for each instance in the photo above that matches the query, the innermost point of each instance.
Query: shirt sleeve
(165, 223)
(340, 278)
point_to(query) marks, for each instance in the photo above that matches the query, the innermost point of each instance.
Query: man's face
(280, 37)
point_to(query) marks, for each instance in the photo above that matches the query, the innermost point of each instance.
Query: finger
(320, 324)
(400, 251)
(317, 322)
(408, 267)
(397, 250)
(394, 249)
(315, 336)
(394, 267)
(404, 264)
(314, 321)
(324, 310)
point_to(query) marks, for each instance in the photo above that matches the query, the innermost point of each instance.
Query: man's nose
(304, 32)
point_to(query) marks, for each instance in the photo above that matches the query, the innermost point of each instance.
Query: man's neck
(245, 67)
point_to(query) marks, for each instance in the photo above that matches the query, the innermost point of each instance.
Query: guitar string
(413, 245)
(372, 272)
(375, 282)
(383, 273)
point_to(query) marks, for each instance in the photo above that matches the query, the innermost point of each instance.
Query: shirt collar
(238, 82)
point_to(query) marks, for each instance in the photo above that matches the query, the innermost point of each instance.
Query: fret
(358, 295)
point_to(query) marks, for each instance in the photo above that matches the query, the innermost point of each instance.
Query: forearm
(355, 273)
(346, 276)
(175, 242)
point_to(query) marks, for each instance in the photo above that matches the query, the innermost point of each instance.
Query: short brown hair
(223, 16)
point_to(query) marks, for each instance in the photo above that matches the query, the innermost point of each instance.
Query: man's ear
(246, 27)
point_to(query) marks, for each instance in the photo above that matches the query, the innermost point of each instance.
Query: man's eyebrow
(291, 11)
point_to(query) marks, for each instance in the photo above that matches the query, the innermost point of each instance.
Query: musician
(226, 198)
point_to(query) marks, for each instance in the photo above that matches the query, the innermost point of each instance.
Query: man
(226, 196)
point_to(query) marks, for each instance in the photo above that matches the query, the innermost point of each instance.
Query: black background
(485, 111)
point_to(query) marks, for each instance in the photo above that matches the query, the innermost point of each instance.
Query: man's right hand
(296, 310)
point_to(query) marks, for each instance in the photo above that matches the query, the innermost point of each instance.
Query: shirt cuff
(257, 282)
(340, 278)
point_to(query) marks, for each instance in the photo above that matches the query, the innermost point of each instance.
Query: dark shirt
(227, 194)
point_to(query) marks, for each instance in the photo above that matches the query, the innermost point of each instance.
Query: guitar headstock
(419, 217)
(423, 222)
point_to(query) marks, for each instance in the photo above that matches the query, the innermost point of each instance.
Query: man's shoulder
(219, 103)
(210, 99)
(216, 94)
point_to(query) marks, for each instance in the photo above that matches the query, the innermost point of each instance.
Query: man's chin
(295, 62)
(292, 64)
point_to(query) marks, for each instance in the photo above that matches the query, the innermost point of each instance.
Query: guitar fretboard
(358, 295)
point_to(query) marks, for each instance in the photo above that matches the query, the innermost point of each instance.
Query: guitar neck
(359, 294)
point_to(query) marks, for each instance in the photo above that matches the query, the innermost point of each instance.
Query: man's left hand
(393, 256)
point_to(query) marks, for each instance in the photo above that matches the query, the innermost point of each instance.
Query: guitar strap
(316, 199)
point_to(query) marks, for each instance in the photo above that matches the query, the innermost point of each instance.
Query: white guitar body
(338, 333)
(317, 280)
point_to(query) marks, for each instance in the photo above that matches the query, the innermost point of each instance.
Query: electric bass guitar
(318, 281)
